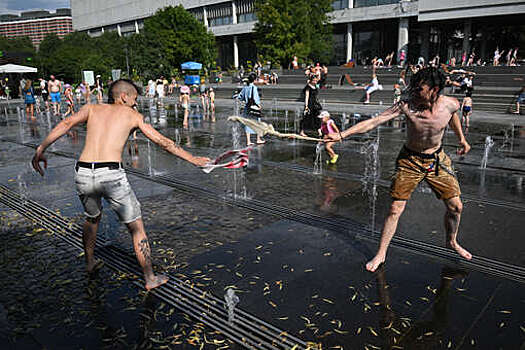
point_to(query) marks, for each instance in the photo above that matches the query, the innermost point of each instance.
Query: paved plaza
(290, 241)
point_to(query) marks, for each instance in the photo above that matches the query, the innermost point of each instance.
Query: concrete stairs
(495, 88)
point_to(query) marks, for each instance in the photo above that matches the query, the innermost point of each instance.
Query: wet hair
(431, 76)
(27, 85)
(121, 86)
(252, 77)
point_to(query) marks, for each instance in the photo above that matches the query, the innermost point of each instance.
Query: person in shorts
(29, 99)
(55, 87)
(99, 173)
(422, 157)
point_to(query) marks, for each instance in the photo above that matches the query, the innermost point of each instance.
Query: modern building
(36, 24)
(362, 28)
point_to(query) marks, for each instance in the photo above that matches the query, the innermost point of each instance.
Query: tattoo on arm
(145, 250)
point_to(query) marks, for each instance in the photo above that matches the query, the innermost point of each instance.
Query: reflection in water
(328, 194)
(422, 334)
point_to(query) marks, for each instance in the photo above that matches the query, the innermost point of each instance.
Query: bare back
(425, 129)
(108, 128)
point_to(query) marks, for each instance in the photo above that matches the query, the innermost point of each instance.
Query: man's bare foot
(249, 144)
(302, 133)
(95, 266)
(261, 142)
(460, 250)
(157, 281)
(373, 264)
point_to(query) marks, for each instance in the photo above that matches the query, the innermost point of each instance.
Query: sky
(17, 6)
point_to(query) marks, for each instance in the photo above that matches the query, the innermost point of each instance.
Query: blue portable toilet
(192, 76)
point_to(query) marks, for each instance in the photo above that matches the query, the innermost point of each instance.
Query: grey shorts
(111, 184)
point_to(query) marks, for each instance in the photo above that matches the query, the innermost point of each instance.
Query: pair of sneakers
(333, 160)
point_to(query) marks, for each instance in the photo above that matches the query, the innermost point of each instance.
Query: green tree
(288, 28)
(17, 50)
(172, 36)
(67, 58)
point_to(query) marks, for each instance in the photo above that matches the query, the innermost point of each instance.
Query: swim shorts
(55, 97)
(467, 109)
(521, 98)
(108, 183)
(413, 167)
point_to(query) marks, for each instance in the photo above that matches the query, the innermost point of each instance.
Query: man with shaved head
(99, 171)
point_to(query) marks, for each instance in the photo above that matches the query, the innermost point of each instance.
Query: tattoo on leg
(145, 250)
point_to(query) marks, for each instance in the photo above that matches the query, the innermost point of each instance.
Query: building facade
(362, 29)
(36, 24)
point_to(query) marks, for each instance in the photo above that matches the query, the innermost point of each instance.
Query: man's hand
(199, 161)
(465, 148)
(37, 158)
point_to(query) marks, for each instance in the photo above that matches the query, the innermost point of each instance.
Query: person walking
(428, 113)
(252, 107)
(54, 87)
(312, 106)
(99, 172)
(29, 99)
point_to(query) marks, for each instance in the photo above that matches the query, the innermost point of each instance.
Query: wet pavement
(291, 243)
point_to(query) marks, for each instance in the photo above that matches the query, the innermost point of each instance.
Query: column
(467, 30)
(350, 4)
(235, 52)
(402, 38)
(349, 42)
(234, 12)
(205, 16)
(118, 30)
(136, 27)
(425, 42)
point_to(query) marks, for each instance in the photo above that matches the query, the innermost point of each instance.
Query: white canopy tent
(14, 68)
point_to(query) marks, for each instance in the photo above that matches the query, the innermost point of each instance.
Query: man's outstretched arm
(58, 131)
(167, 144)
(369, 124)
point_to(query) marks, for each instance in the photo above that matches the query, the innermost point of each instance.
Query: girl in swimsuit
(328, 127)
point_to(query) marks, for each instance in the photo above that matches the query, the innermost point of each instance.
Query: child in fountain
(466, 108)
(328, 127)
(184, 99)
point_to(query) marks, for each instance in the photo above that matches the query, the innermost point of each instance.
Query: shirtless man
(422, 157)
(99, 171)
(54, 87)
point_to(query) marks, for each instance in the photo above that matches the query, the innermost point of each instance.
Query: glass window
(367, 3)
(339, 4)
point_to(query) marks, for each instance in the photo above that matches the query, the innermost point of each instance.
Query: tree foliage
(17, 50)
(288, 28)
(67, 58)
(171, 37)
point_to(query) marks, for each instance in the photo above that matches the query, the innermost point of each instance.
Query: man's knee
(454, 205)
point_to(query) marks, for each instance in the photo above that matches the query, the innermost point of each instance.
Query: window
(245, 11)
(367, 3)
(219, 15)
(339, 4)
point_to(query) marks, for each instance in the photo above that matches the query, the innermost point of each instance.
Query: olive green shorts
(413, 167)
